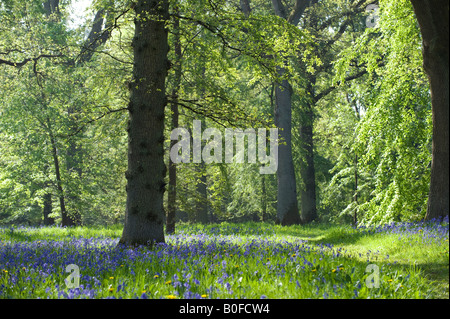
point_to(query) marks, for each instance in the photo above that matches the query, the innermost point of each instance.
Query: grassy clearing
(250, 260)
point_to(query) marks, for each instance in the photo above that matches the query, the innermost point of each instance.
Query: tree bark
(172, 192)
(245, 7)
(307, 167)
(66, 220)
(201, 206)
(287, 206)
(74, 164)
(144, 215)
(263, 198)
(47, 210)
(47, 202)
(52, 7)
(432, 16)
(355, 196)
(100, 33)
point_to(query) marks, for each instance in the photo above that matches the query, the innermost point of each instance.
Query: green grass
(432, 259)
(249, 260)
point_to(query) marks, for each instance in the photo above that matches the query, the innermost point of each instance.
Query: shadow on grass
(322, 233)
(58, 233)
(18, 236)
(360, 245)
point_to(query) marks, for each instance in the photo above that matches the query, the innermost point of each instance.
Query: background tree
(60, 99)
(172, 186)
(432, 17)
(392, 137)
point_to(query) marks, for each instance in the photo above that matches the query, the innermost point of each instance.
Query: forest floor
(247, 260)
(406, 244)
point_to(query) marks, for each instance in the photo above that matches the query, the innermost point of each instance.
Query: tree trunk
(47, 201)
(355, 196)
(245, 7)
(287, 206)
(172, 195)
(47, 210)
(201, 211)
(307, 168)
(73, 164)
(144, 215)
(66, 220)
(172, 191)
(432, 16)
(263, 198)
(52, 7)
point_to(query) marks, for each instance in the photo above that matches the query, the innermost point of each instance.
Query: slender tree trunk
(355, 196)
(287, 206)
(144, 215)
(172, 195)
(245, 7)
(202, 192)
(73, 165)
(52, 7)
(263, 198)
(201, 213)
(172, 191)
(47, 210)
(307, 168)
(432, 16)
(47, 201)
(202, 202)
(66, 220)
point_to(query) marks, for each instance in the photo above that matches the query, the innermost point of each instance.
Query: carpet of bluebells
(209, 262)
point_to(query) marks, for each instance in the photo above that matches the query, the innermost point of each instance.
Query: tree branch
(22, 63)
(279, 8)
(97, 36)
(82, 127)
(299, 8)
(333, 87)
